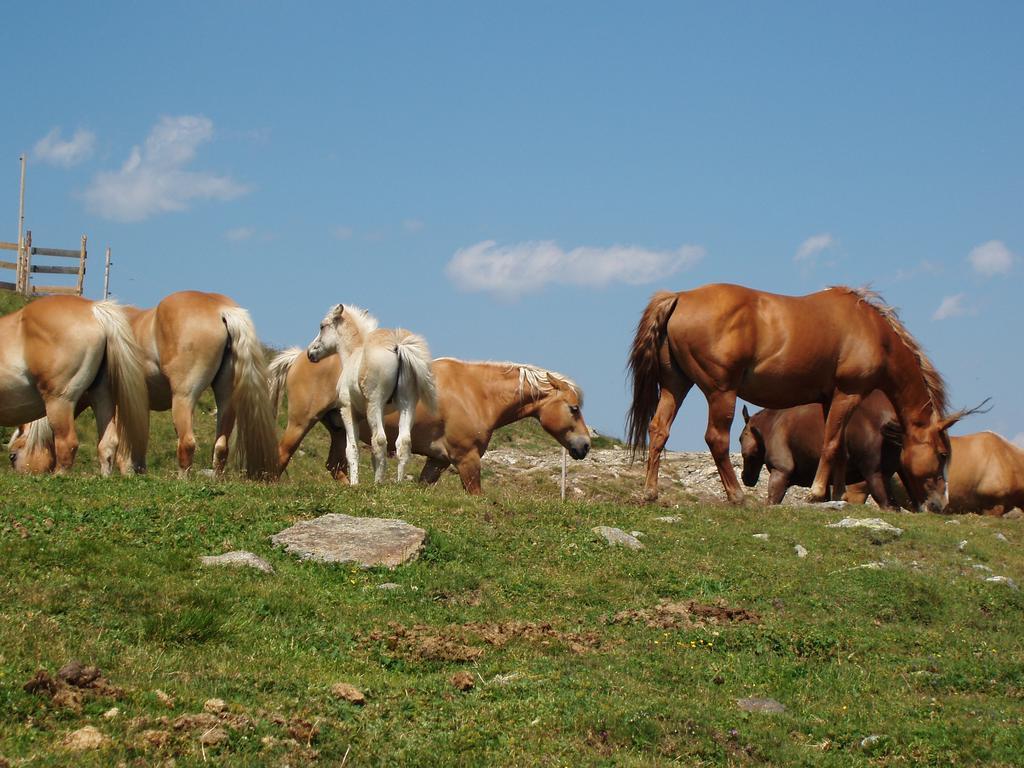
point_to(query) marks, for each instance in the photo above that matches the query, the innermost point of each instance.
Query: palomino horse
(382, 369)
(788, 442)
(60, 349)
(473, 400)
(191, 341)
(831, 347)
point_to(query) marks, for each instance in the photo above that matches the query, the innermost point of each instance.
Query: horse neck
(350, 338)
(510, 400)
(907, 389)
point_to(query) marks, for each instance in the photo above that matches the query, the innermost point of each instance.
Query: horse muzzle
(579, 447)
(314, 354)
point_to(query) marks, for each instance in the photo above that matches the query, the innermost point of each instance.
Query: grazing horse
(383, 369)
(832, 347)
(788, 442)
(58, 350)
(473, 400)
(191, 341)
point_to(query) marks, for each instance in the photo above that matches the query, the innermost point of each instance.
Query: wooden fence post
(564, 462)
(26, 278)
(81, 267)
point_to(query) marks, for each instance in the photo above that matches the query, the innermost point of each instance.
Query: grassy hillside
(580, 654)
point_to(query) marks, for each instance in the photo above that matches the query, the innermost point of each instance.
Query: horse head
(752, 446)
(326, 341)
(560, 412)
(38, 460)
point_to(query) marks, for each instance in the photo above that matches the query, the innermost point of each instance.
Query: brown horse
(60, 349)
(831, 347)
(474, 399)
(191, 341)
(788, 442)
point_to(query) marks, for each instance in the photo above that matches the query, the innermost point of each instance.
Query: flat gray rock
(618, 537)
(756, 704)
(1003, 580)
(800, 550)
(878, 529)
(337, 538)
(238, 559)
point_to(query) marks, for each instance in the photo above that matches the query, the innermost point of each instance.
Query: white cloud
(513, 270)
(341, 233)
(413, 225)
(238, 234)
(991, 258)
(814, 245)
(154, 179)
(951, 306)
(52, 150)
(1018, 440)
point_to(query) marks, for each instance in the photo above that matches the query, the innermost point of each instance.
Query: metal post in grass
(21, 274)
(565, 453)
(106, 277)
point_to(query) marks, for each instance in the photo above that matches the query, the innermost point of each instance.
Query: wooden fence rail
(24, 268)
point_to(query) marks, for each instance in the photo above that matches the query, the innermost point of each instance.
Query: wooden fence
(24, 268)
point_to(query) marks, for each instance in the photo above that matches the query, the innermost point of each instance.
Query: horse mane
(538, 381)
(357, 324)
(933, 380)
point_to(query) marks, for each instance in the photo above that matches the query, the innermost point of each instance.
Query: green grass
(922, 652)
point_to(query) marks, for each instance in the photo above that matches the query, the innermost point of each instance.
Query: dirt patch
(73, 683)
(463, 681)
(461, 642)
(691, 613)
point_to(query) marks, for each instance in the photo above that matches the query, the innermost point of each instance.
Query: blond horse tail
(414, 361)
(278, 371)
(127, 382)
(644, 366)
(256, 445)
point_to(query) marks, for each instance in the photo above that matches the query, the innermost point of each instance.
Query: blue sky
(514, 180)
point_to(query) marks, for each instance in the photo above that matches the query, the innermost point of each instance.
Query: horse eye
(574, 410)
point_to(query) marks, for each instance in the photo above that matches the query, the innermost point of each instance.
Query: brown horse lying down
(191, 341)
(61, 349)
(832, 347)
(789, 442)
(474, 399)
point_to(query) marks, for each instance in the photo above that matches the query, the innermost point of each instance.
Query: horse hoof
(649, 496)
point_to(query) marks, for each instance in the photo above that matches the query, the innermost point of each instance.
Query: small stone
(952, 522)
(504, 680)
(214, 706)
(757, 704)
(349, 693)
(164, 699)
(980, 567)
(238, 559)
(800, 551)
(1001, 537)
(879, 530)
(1014, 514)
(669, 519)
(830, 504)
(111, 713)
(961, 546)
(213, 737)
(617, 537)
(387, 586)
(368, 541)
(1003, 580)
(761, 536)
(463, 681)
(869, 742)
(636, 534)
(84, 739)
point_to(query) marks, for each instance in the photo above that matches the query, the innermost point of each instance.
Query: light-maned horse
(191, 341)
(473, 400)
(55, 352)
(383, 369)
(832, 347)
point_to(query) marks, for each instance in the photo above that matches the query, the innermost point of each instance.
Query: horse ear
(746, 415)
(953, 418)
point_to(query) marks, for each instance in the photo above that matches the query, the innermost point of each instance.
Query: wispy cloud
(238, 234)
(413, 225)
(951, 306)
(154, 178)
(53, 150)
(513, 270)
(923, 267)
(991, 258)
(341, 233)
(814, 245)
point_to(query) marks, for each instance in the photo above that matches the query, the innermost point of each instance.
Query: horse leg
(181, 415)
(433, 470)
(61, 414)
(378, 439)
(469, 472)
(778, 484)
(876, 487)
(721, 409)
(106, 428)
(673, 390)
(403, 445)
(833, 452)
(337, 463)
(351, 446)
(856, 493)
(223, 384)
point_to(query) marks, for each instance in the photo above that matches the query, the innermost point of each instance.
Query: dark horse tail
(644, 365)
